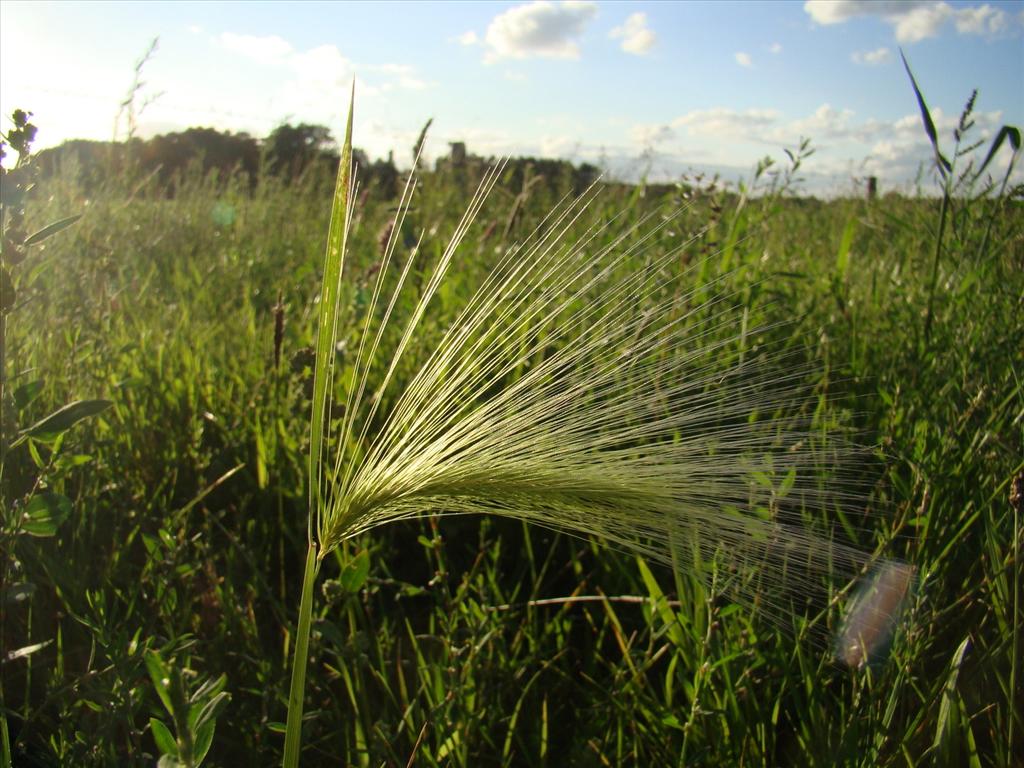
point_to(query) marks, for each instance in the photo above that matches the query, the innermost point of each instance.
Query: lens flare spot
(874, 611)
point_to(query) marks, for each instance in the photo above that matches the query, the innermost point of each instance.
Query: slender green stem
(327, 334)
(701, 673)
(293, 730)
(3, 374)
(943, 214)
(998, 205)
(1015, 653)
(5, 739)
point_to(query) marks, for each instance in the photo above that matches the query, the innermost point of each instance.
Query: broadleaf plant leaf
(44, 513)
(353, 577)
(26, 393)
(61, 420)
(204, 739)
(161, 677)
(163, 737)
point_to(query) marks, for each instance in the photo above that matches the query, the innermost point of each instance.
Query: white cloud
(559, 146)
(743, 59)
(319, 71)
(722, 121)
(982, 20)
(468, 38)
(539, 29)
(826, 123)
(650, 135)
(877, 56)
(887, 151)
(637, 38)
(775, 48)
(899, 147)
(838, 11)
(323, 66)
(482, 141)
(847, 146)
(893, 150)
(270, 48)
(404, 76)
(921, 22)
(912, 20)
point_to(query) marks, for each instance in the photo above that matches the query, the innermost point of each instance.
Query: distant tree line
(521, 172)
(290, 153)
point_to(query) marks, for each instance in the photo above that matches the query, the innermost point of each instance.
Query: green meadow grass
(478, 640)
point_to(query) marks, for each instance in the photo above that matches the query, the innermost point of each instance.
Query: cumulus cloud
(837, 11)
(318, 69)
(893, 150)
(901, 141)
(322, 66)
(921, 22)
(912, 20)
(722, 121)
(877, 56)
(399, 76)
(559, 146)
(980, 20)
(651, 135)
(887, 151)
(825, 123)
(269, 48)
(637, 38)
(539, 29)
(468, 38)
(899, 147)
(743, 59)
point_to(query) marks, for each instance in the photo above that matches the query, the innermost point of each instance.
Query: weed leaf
(941, 162)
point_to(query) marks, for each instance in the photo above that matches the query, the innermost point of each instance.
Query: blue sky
(658, 86)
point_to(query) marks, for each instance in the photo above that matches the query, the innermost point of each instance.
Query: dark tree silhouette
(292, 148)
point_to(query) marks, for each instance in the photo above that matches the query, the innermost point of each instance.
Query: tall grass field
(857, 363)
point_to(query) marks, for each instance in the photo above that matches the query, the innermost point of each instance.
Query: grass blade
(327, 325)
(51, 229)
(941, 162)
(327, 331)
(1007, 132)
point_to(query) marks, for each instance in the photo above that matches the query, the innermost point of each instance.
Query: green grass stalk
(934, 280)
(1016, 501)
(327, 330)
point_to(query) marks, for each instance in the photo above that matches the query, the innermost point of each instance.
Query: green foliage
(193, 714)
(967, 183)
(480, 640)
(27, 507)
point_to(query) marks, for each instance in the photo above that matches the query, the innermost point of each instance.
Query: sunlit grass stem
(327, 330)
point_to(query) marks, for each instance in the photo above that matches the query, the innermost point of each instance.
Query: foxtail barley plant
(589, 385)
